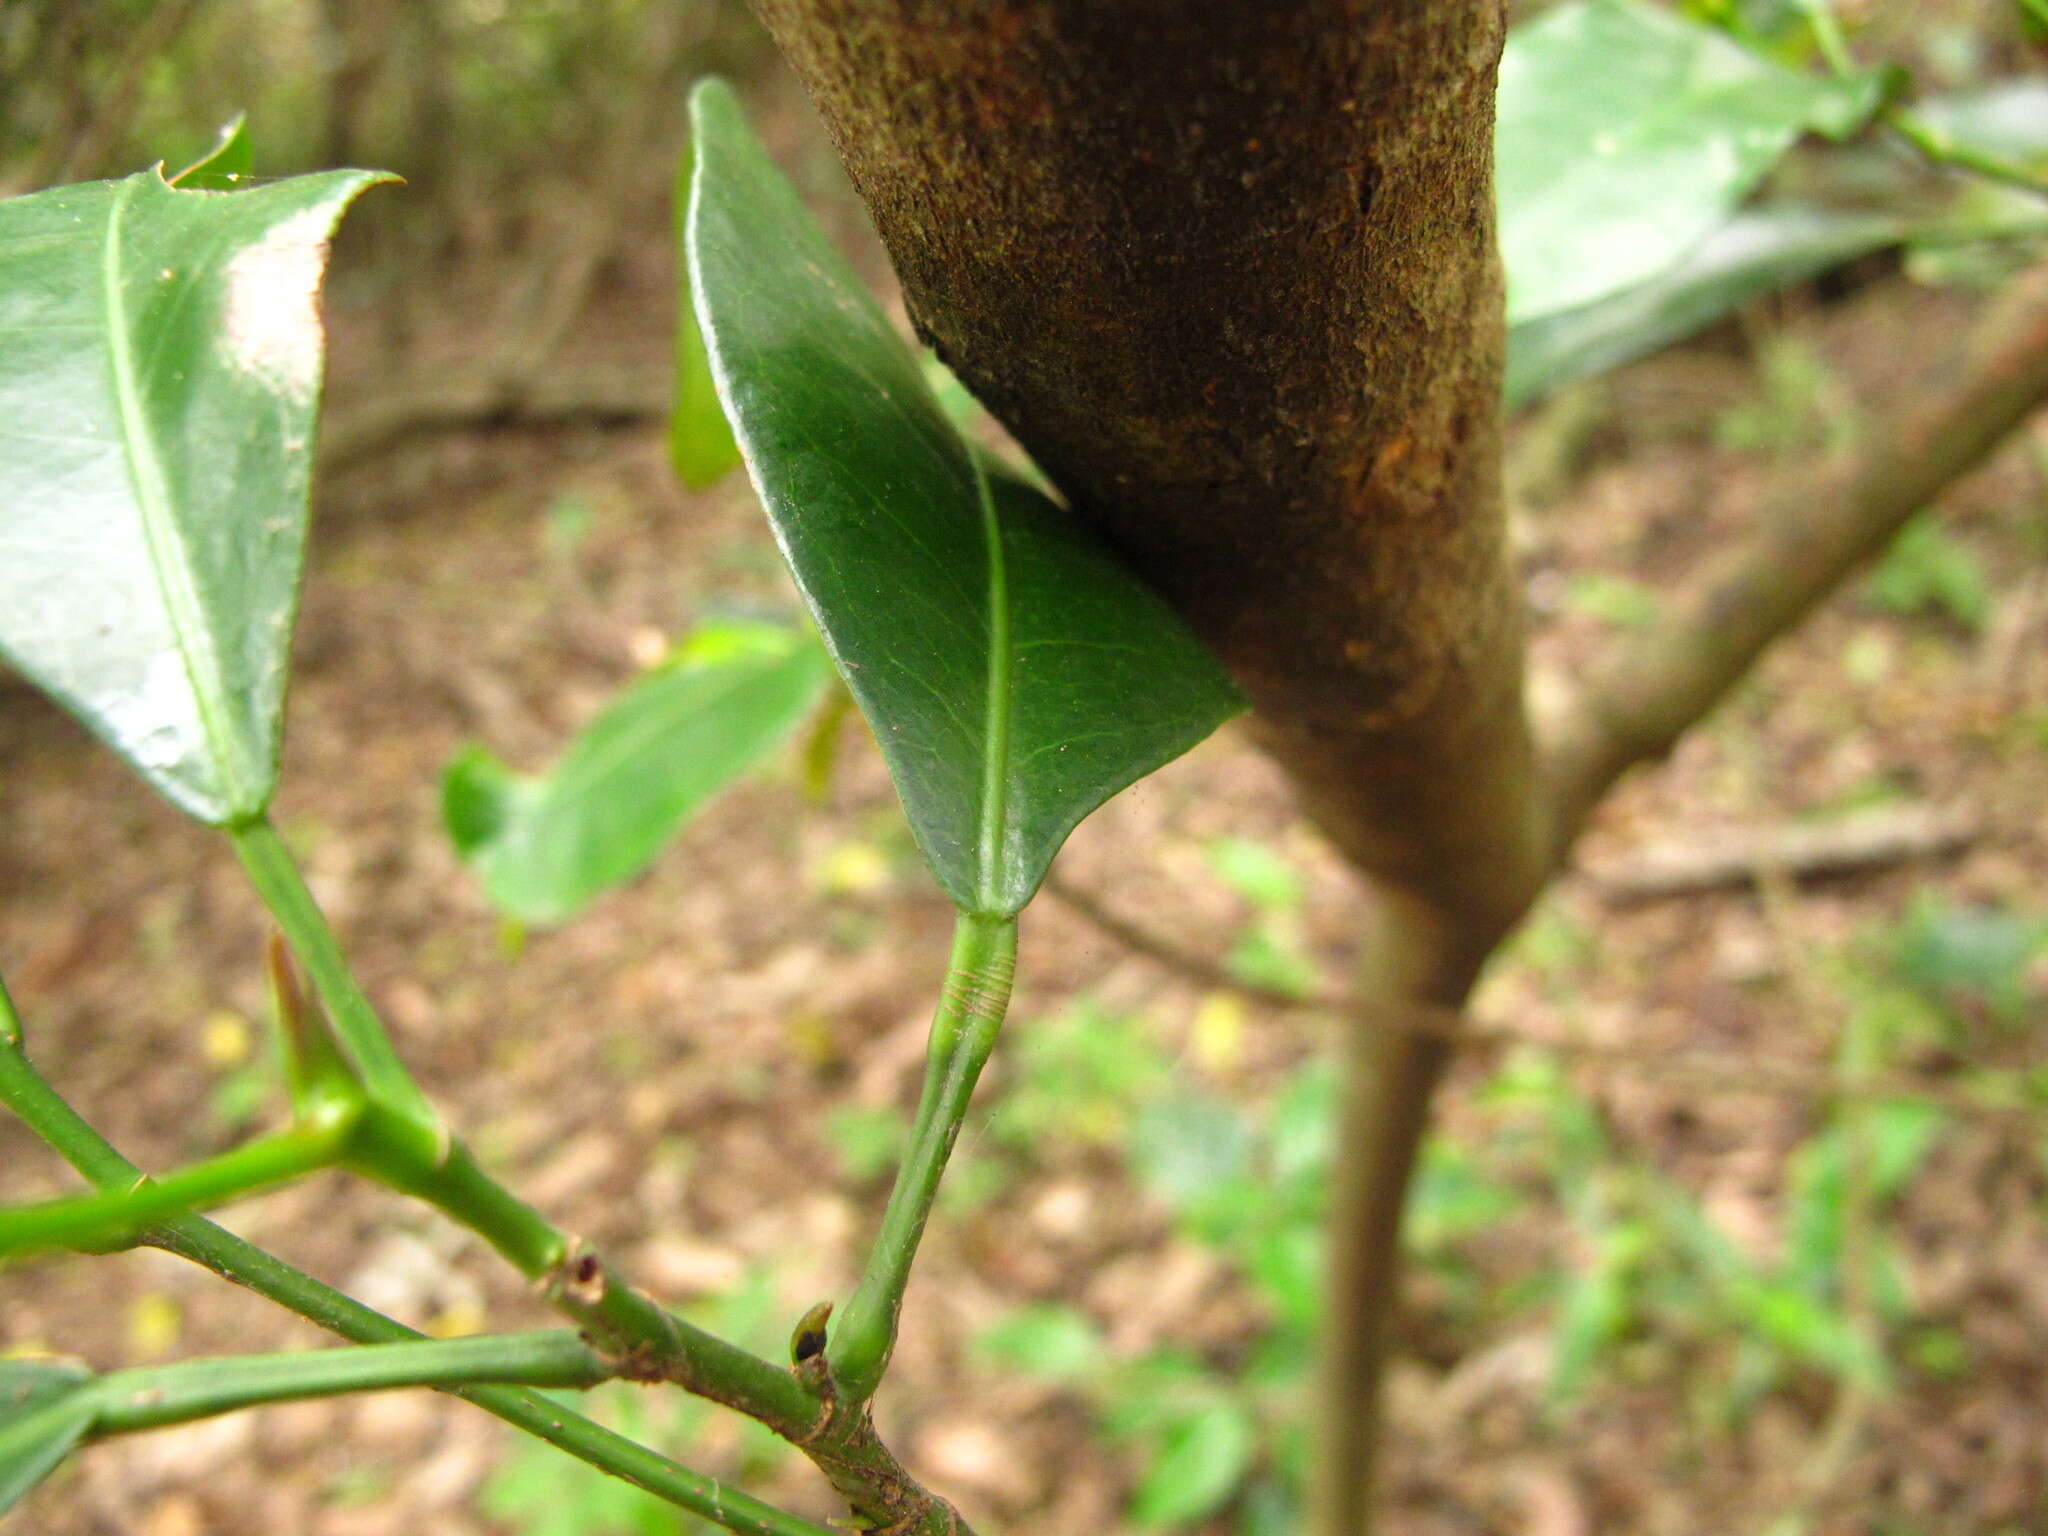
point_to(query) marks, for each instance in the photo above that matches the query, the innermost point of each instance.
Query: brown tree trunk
(1228, 273)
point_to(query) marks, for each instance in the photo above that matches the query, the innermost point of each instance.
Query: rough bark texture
(1228, 273)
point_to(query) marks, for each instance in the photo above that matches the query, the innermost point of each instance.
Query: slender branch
(397, 1139)
(45, 1112)
(642, 1340)
(970, 1013)
(155, 1396)
(232, 1258)
(1936, 146)
(244, 1264)
(1197, 968)
(1414, 977)
(118, 1217)
(1933, 143)
(1809, 537)
(359, 1031)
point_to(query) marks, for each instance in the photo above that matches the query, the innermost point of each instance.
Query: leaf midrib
(168, 555)
(995, 765)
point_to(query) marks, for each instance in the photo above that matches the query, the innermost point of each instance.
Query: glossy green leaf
(1016, 675)
(1753, 254)
(159, 379)
(1626, 134)
(1200, 1464)
(700, 441)
(546, 845)
(43, 1415)
(223, 167)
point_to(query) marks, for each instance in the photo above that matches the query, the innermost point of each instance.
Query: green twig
(116, 1218)
(649, 1341)
(638, 1338)
(356, 1025)
(1827, 34)
(1938, 147)
(155, 1396)
(43, 1111)
(400, 1142)
(233, 1259)
(1932, 142)
(970, 1012)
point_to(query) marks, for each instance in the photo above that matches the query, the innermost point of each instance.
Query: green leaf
(700, 440)
(1753, 254)
(223, 167)
(868, 1139)
(1964, 957)
(43, 1415)
(1048, 1340)
(1618, 600)
(1625, 135)
(1302, 1125)
(1187, 1145)
(1200, 1464)
(545, 846)
(1286, 1265)
(1257, 872)
(159, 380)
(1928, 571)
(1015, 675)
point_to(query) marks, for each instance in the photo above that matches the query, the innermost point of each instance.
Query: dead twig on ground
(1796, 850)
(602, 397)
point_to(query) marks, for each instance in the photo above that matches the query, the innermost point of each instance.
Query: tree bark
(1228, 272)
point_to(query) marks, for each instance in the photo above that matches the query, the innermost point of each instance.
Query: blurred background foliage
(512, 121)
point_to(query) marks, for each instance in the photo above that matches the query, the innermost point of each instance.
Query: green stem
(422, 1162)
(1827, 34)
(1930, 141)
(244, 1264)
(10, 1021)
(155, 1396)
(426, 1163)
(356, 1025)
(400, 1142)
(43, 1111)
(970, 1012)
(621, 1320)
(1939, 148)
(117, 1217)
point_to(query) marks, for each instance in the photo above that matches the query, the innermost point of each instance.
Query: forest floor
(1612, 1330)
